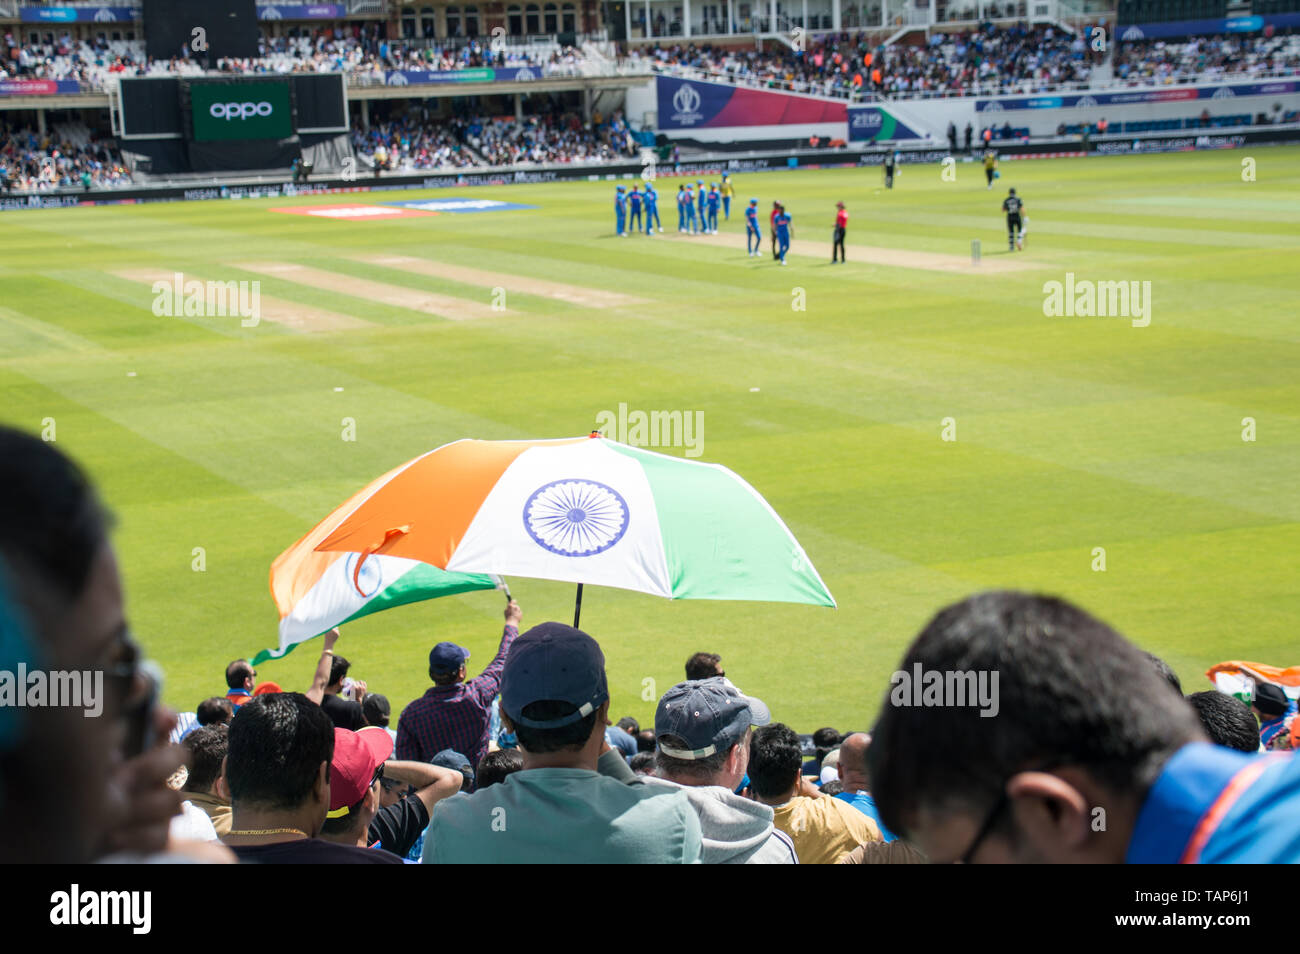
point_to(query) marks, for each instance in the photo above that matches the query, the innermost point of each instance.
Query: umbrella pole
(577, 607)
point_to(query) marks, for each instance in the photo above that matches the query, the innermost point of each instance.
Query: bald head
(853, 762)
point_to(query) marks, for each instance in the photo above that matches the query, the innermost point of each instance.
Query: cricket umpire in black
(1012, 206)
(889, 169)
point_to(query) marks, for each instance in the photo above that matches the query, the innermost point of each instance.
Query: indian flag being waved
(317, 591)
(581, 510)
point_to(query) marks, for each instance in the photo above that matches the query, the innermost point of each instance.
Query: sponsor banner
(300, 11)
(238, 111)
(1177, 28)
(460, 206)
(695, 104)
(1093, 100)
(353, 213)
(505, 74)
(77, 14)
(873, 123)
(1185, 144)
(38, 87)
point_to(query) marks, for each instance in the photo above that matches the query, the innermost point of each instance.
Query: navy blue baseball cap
(451, 759)
(557, 663)
(447, 657)
(710, 715)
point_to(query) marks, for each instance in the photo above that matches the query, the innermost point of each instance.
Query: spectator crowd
(523, 762)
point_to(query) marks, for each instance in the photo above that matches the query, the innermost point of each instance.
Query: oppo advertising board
(224, 111)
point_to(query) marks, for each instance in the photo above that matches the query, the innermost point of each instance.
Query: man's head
(553, 690)
(239, 675)
(1083, 722)
(279, 757)
(376, 710)
(451, 759)
(852, 764)
(207, 748)
(498, 766)
(215, 711)
(339, 667)
(775, 758)
(447, 664)
(825, 739)
(1226, 720)
(355, 772)
(1166, 672)
(704, 666)
(643, 763)
(703, 729)
(65, 595)
(1270, 701)
(629, 725)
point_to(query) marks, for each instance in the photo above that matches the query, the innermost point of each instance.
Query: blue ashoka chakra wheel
(371, 577)
(575, 517)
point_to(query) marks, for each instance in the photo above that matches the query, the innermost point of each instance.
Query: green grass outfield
(1072, 433)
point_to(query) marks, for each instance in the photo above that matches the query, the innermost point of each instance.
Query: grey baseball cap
(710, 715)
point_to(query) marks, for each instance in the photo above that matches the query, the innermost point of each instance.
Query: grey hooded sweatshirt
(735, 830)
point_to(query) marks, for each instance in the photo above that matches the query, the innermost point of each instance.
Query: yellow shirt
(824, 829)
(990, 161)
(727, 190)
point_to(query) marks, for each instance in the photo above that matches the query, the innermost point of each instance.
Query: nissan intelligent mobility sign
(224, 111)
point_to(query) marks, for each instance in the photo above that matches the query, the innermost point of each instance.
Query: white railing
(356, 7)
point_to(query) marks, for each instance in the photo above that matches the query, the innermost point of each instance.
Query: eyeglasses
(1004, 800)
(989, 822)
(379, 775)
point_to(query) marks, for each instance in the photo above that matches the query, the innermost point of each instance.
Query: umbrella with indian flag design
(584, 510)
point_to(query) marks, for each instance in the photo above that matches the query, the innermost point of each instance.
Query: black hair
(1226, 719)
(277, 744)
(775, 758)
(338, 670)
(643, 763)
(571, 737)
(702, 666)
(629, 725)
(1070, 690)
(373, 709)
(826, 738)
(833, 787)
(237, 672)
(495, 766)
(215, 711)
(342, 824)
(645, 741)
(52, 525)
(1165, 671)
(207, 747)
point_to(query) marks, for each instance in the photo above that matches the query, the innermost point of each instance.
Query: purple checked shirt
(453, 717)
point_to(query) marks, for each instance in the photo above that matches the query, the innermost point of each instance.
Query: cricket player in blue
(703, 196)
(681, 208)
(620, 211)
(652, 209)
(634, 201)
(753, 237)
(783, 232)
(715, 200)
(690, 211)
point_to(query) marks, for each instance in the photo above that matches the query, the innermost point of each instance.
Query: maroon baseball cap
(356, 757)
